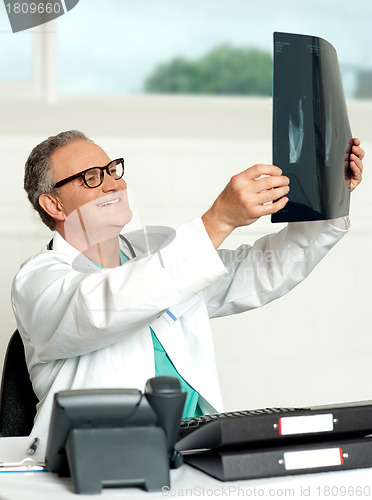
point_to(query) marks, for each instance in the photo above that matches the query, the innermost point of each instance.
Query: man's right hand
(259, 190)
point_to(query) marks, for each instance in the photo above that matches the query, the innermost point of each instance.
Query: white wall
(312, 346)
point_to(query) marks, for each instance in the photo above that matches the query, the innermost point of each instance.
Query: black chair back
(17, 398)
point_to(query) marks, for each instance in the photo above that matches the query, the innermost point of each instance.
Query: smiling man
(94, 198)
(97, 309)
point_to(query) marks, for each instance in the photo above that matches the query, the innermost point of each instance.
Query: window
(116, 45)
(22, 59)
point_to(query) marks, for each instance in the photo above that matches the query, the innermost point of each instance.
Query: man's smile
(109, 202)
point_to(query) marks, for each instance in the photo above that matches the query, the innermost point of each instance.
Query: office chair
(17, 398)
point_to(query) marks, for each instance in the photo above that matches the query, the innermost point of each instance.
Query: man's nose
(109, 183)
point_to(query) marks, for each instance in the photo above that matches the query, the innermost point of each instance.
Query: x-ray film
(311, 133)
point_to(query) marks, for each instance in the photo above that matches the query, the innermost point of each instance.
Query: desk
(187, 482)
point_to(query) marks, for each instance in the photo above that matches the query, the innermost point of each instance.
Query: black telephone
(116, 436)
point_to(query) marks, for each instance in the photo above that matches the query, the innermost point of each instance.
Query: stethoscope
(128, 244)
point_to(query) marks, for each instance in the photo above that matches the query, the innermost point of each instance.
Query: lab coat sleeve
(65, 313)
(273, 266)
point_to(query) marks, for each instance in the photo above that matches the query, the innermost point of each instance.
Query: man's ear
(52, 206)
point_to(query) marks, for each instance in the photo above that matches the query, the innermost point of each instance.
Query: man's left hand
(356, 165)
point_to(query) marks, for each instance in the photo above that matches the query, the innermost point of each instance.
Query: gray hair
(38, 177)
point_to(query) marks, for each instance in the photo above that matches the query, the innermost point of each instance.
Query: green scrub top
(164, 366)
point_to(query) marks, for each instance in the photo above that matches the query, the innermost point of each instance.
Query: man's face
(74, 158)
(100, 212)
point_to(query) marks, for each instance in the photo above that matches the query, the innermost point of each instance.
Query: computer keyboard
(190, 424)
(268, 425)
(217, 429)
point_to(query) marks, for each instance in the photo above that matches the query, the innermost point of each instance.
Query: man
(97, 310)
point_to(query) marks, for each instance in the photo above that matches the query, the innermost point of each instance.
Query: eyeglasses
(93, 176)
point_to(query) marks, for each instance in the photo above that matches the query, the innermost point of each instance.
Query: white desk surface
(188, 482)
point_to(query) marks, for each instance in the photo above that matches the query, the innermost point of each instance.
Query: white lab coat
(86, 329)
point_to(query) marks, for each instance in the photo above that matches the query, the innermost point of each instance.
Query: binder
(254, 463)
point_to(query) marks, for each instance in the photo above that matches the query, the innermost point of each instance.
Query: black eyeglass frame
(83, 172)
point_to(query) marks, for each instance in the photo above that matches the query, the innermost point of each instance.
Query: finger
(272, 208)
(357, 171)
(256, 171)
(270, 182)
(356, 176)
(357, 161)
(272, 194)
(356, 141)
(355, 167)
(359, 152)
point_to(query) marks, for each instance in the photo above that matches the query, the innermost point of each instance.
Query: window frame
(42, 84)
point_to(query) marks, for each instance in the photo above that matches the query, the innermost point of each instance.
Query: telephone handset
(166, 398)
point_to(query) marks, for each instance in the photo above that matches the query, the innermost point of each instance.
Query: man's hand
(356, 165)
(247, 197)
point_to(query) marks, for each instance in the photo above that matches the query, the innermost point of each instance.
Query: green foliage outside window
(223, 70)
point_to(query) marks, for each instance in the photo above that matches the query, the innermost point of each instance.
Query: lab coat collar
(145, 241)
(79, 261)
(61, 245)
